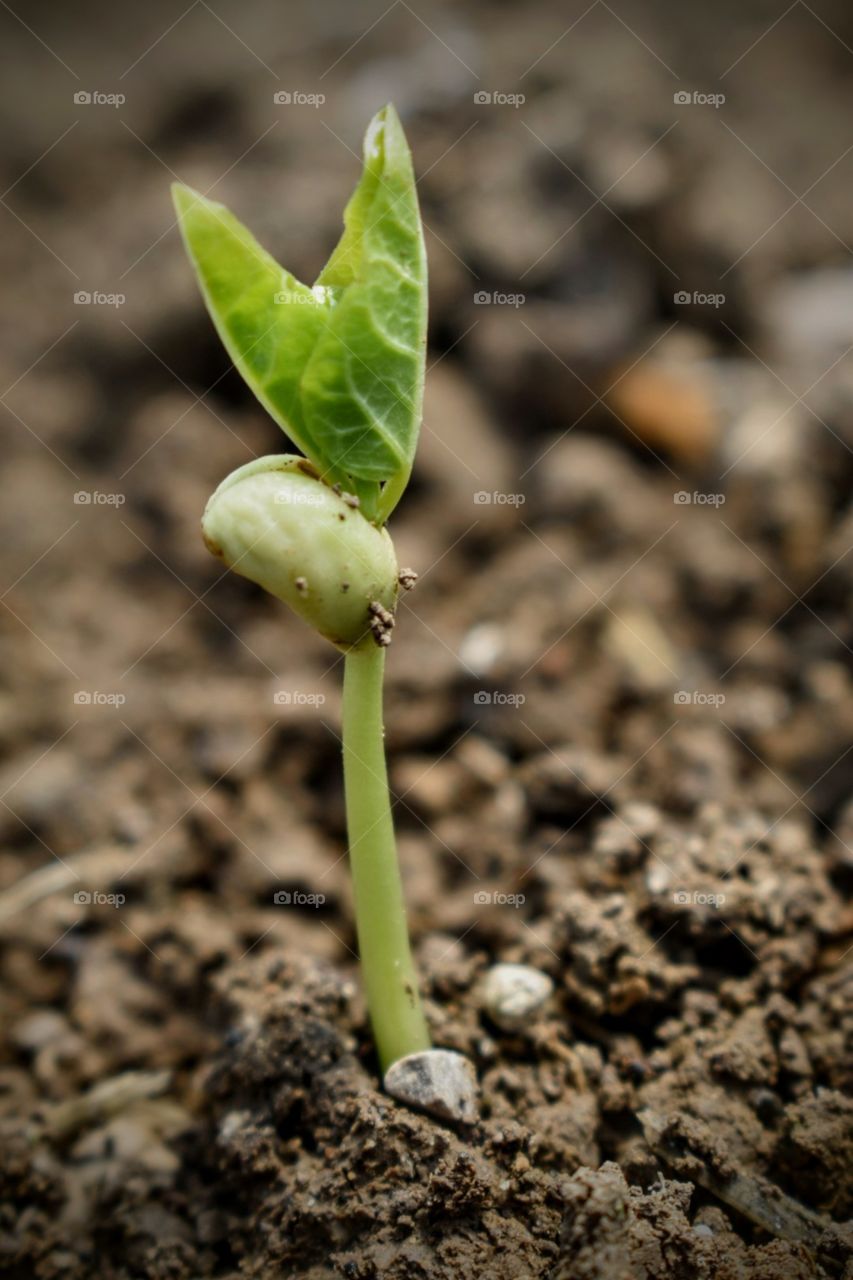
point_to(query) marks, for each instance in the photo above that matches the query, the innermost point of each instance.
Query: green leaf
(268, 340)
(340, 367)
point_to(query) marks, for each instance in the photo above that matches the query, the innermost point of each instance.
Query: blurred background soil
(619, 700)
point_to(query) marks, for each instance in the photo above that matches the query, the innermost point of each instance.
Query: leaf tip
(184, 198)
(385, 142)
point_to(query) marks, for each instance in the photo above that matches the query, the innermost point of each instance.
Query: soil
(620, 694)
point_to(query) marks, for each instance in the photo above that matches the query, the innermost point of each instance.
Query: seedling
(340, 367)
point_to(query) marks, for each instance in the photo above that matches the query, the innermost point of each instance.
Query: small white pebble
(511, 993)
(658, 879)
(702, 1229)
(482, 646)
(232, 1123)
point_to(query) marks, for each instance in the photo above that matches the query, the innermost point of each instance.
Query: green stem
(399, 1026)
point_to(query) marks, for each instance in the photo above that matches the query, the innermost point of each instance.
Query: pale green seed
(275, 522)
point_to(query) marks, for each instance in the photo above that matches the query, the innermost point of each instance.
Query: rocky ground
(619, 699)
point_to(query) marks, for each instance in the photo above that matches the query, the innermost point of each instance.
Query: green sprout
(340, 366)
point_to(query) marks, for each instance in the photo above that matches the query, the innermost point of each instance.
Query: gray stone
(437, 1081)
